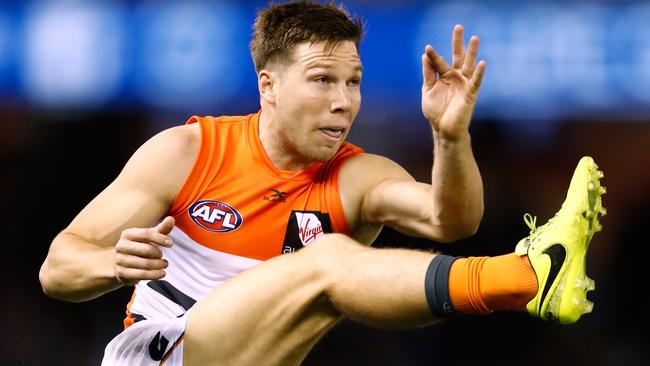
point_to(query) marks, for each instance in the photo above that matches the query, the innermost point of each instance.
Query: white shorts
(147, 343)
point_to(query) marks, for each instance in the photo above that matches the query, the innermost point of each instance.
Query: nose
(341, 99)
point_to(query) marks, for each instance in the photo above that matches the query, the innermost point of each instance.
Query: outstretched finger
(477, 78)
(470, 57)
(458, 47)
(439, 64)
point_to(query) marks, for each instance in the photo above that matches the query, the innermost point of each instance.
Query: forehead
(344, 54)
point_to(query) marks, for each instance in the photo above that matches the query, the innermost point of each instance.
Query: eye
(354, 82)
(322, 80)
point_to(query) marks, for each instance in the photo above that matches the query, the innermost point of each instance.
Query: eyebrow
(358, 67)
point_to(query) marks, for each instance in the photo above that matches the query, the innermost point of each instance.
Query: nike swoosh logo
(157, 347)
(557, 254)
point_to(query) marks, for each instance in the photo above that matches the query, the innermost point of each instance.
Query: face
(317, 98)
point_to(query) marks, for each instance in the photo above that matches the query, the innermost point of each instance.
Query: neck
(281, 154)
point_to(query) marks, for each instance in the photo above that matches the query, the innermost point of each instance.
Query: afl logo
(215, 216)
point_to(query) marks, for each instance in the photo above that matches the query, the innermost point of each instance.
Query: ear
(267, 83)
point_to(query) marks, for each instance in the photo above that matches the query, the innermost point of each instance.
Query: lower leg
(479, 285)
(398, 288)
(379, 287)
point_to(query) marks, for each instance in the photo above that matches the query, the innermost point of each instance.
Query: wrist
(451, 140)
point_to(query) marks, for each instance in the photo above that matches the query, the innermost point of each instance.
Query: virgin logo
(309, 227)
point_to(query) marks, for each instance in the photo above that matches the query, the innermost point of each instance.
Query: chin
(323, 155)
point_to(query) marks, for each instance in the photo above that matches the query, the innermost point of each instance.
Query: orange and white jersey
(236, 210)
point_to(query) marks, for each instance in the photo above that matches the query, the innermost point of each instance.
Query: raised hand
(138, 255)
(449, 93)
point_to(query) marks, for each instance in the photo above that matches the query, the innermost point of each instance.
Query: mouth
(334, 134)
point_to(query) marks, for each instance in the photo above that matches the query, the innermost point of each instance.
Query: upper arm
(387, 194)
(144, 190)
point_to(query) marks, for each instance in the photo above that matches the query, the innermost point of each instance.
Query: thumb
(166, 225)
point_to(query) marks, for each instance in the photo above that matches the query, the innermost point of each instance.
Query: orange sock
(479, 285)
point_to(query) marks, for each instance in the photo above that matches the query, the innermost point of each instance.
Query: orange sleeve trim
(337, 214)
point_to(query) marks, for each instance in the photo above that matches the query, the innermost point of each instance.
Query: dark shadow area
(53, 165)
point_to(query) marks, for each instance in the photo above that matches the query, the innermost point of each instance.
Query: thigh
(272, 314)
(147, 343)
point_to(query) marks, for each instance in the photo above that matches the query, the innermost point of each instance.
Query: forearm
(76, 270)
(457, 187)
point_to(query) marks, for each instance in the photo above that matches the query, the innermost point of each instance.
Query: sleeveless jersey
(236, 210)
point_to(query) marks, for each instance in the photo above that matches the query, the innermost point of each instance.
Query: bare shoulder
(163, 162)
(144, 190)
(178, 140)
(370, 169)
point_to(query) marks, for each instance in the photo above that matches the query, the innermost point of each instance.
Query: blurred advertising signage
(548, 59)
(555, 58)
(92, 54)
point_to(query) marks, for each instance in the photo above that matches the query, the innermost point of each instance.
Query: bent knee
(327, 255)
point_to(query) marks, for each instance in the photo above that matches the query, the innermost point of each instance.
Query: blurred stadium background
(84, 83)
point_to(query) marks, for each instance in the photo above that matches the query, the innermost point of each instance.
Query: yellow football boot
(558, 249)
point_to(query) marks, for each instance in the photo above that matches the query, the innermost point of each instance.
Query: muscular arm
(457, 188)
(445, 211)
(81, 262)
(449, 95)
(451, 207)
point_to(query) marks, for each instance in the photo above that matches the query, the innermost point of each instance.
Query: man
(207, 219)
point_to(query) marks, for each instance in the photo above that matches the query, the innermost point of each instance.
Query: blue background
(547, 60)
